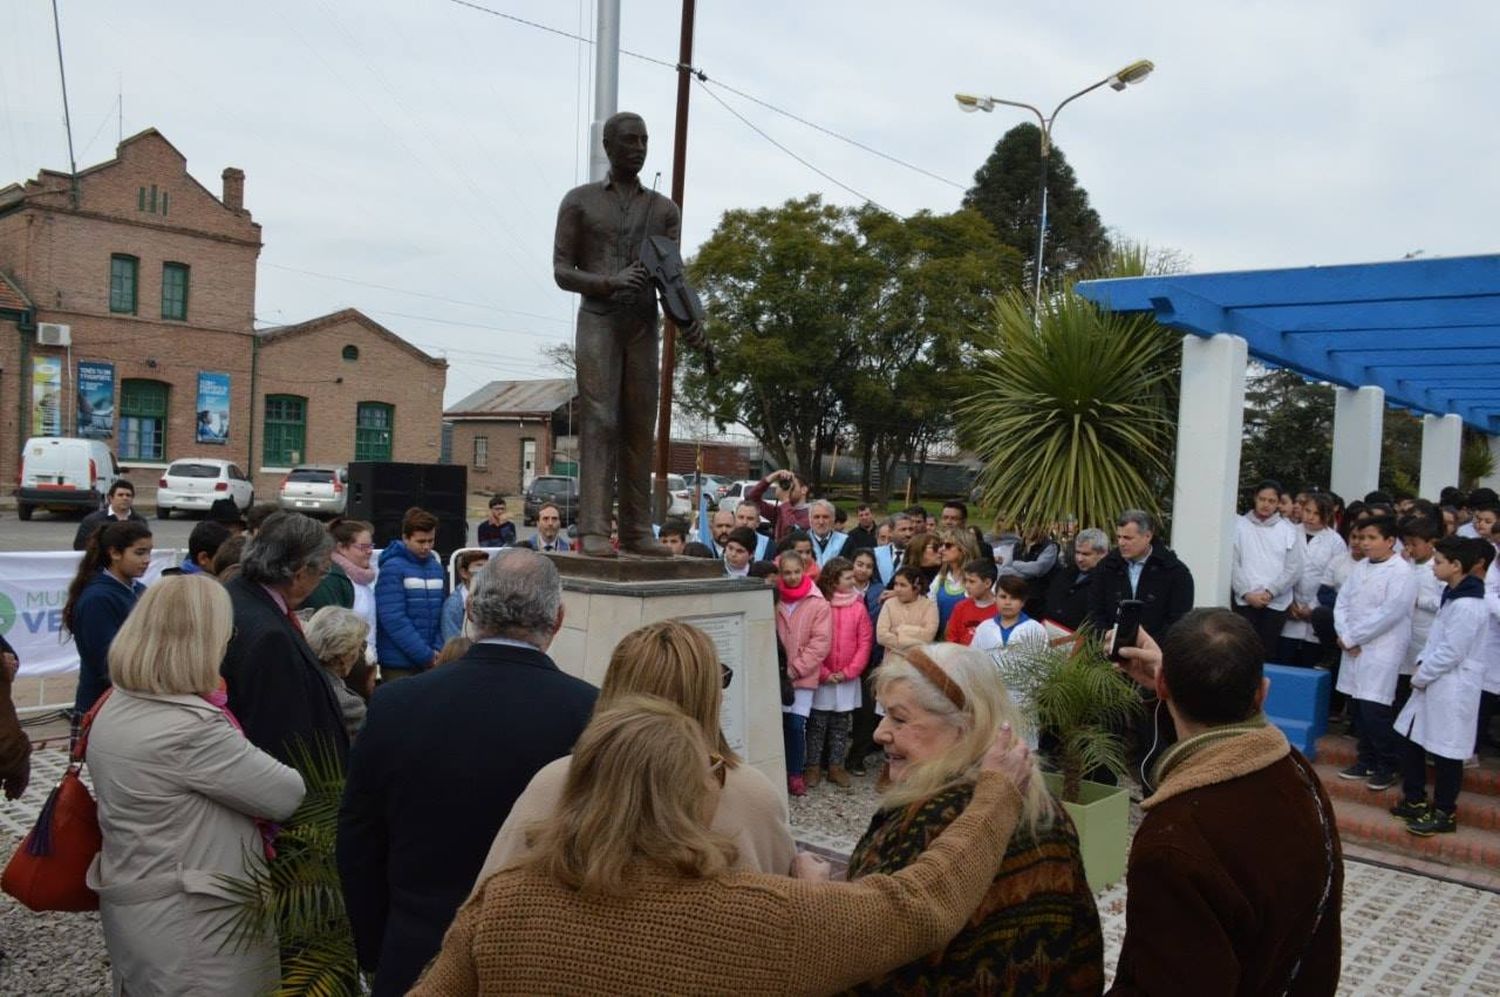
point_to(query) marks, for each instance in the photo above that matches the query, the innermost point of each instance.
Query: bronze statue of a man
(596, 252)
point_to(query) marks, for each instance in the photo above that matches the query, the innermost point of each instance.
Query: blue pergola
(1425, 331)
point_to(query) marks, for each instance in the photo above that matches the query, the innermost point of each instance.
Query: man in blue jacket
(409, 599)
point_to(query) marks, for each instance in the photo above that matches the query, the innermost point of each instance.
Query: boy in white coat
(1373, 620)
(1419, 537)
(1439, 718)
(1268, 553)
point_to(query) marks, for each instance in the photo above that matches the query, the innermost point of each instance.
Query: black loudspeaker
(380, 492)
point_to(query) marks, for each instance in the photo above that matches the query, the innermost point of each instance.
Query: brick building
(510, 431)
(127, 307)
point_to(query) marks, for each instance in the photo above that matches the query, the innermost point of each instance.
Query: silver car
(316, 489)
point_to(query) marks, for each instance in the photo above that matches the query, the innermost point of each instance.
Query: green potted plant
(298, 896)
(1073, 694)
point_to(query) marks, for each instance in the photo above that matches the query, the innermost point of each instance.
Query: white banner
(33, 589)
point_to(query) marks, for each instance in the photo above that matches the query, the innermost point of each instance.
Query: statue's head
(625, 143)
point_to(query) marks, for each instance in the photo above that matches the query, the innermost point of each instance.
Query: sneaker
(1433, 822)
(1472, 762)
(796, 785)
(1380, 781)
(857, 768)
(1409, 810)
(1356, 771)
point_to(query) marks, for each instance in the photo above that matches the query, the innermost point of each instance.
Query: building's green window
(174, 291)
(123, 271)
(143, 420)
(373, 425)
(286, 430)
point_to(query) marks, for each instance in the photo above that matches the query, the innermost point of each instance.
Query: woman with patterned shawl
(1037, 929)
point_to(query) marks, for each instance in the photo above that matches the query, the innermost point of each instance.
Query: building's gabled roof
(12, 298)
(271, 337)
(515, 398)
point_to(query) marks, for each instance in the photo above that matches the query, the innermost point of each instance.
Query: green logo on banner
(7, 614)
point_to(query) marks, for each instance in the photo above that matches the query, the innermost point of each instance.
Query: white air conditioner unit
(54, 334)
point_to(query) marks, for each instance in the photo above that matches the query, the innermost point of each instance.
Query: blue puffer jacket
(408, 607)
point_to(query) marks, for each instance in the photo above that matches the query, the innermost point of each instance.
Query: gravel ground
(49, 953)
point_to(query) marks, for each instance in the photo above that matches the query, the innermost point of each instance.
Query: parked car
(316, 489)
(64, 474)
(192, 484)
(559, 489)
(712, 485)
(735, 494)
(679, 496)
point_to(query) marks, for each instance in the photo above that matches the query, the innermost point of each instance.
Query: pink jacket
(806, 635)
(853, 637)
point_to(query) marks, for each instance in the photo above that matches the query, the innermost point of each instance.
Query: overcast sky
(416, 150)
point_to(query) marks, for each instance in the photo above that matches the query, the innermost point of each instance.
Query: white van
(62, 473)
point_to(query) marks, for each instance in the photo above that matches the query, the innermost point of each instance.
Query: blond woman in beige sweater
(908, 618)
(628, 890)
(678, 663)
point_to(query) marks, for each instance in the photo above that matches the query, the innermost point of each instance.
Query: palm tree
(1075, 412)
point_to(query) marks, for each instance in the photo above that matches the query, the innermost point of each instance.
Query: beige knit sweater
(902, 625)
(740, 933)
(750, 812)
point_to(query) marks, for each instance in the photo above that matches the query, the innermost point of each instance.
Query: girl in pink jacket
(838, 695)
(804, 626)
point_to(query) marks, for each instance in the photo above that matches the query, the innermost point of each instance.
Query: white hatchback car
(195, 483)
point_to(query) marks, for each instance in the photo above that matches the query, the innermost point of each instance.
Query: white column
(1358, 415)
(1442, 443)
(1210, 421)
(1492, 480)
(606, 83)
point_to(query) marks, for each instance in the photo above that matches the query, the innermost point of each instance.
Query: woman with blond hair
(1037, 929)
(185, 801)
(956, 548)
(678, 663)
(629, 890)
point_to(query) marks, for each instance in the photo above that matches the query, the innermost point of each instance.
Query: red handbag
(49, 868)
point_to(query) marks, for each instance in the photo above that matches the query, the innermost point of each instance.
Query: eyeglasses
(949, 544)
(716, 767)
(728, 674)
(363, 546)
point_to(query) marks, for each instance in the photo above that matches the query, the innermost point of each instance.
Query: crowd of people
(501, 817)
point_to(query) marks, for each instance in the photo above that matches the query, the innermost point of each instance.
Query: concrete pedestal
(734, 612)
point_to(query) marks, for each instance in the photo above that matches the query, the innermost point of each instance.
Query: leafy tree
(1007, 191)
(1288, 435)
(836, 325)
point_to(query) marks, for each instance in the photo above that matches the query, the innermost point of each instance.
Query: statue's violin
(663, 260)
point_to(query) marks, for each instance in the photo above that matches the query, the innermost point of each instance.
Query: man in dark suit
(548, 535)
(277, 686)
(121, 508)
(441, 759)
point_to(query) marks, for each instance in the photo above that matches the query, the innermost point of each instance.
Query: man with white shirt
(548, 537)
(747, 516)
(827, 543)
(888, 557)
(1268, 554)
(721, 524)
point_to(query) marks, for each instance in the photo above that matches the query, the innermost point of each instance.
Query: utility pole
(606, 84)
(67, 117)
(669, 332)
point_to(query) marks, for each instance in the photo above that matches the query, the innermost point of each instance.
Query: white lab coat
(1267, 555)
(1492, 603)
(1443, 716)
(1373, 613)
(1429, 593)
(1319, 551)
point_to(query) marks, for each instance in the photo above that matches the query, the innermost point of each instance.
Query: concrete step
(1468, 849)
(1338, 752)
(1476, 810)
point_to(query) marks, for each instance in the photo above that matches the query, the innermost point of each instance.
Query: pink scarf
(268, 831)
(791, 595)
(357, 575)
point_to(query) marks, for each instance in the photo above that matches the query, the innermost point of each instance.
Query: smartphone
(1127, 626)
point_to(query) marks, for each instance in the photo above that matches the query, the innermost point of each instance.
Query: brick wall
(307, 361)
(502, 473)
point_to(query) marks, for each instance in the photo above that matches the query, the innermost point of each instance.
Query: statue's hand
(632, 278)
(693, 335)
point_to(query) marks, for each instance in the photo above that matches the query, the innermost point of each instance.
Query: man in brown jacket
(1236, 874)
(15, 747)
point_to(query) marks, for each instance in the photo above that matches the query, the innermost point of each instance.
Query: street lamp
(1133, 73)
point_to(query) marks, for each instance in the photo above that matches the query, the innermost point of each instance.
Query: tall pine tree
(1007, 189)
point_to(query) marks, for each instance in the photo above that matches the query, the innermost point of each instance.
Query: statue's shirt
(600, 227)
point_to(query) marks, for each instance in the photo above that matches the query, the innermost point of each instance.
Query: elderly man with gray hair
(441, 759)
(275, 681)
